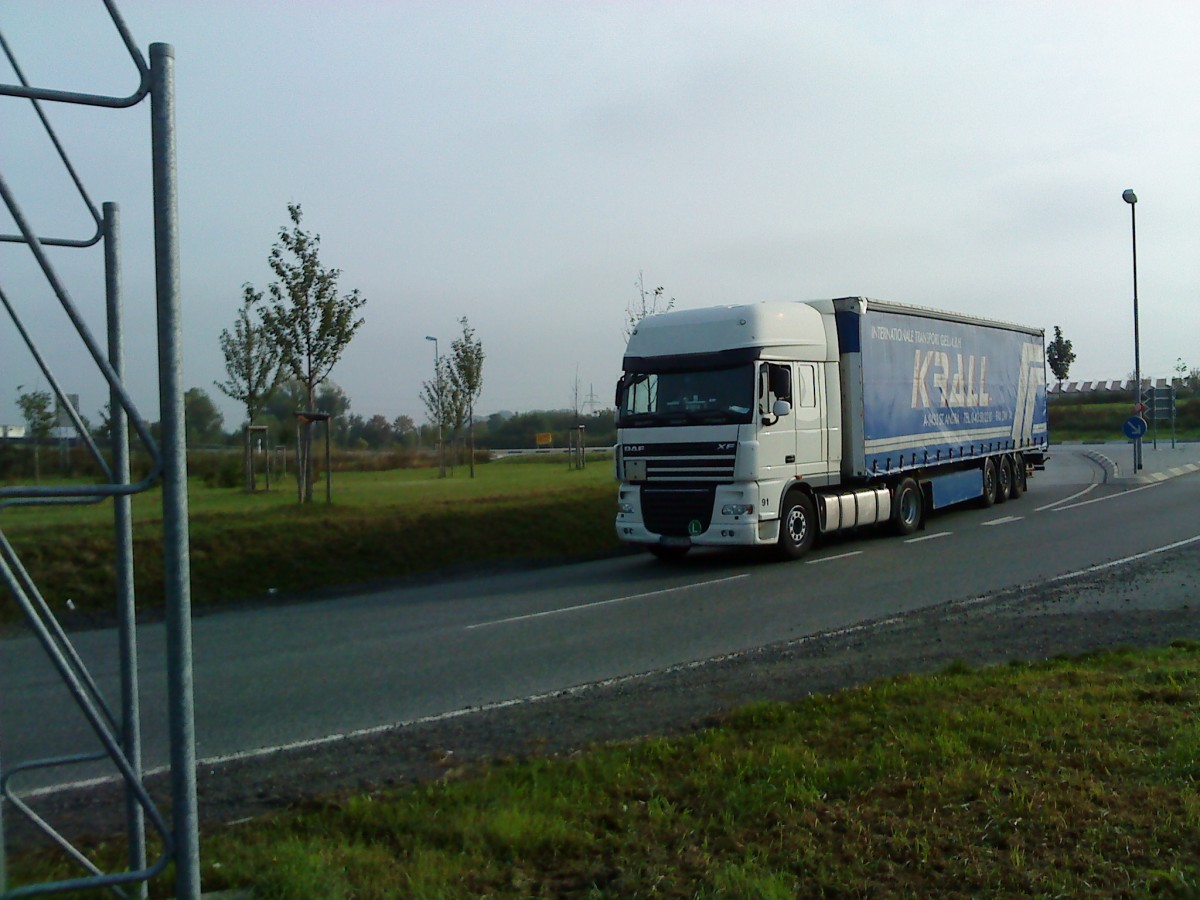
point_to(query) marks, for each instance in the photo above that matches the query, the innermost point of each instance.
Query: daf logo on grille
(695, 527)
(724, 446)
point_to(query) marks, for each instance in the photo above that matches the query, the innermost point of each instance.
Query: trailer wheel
(1020, 476)
(797, 525)
(1004, 484)
(989, 484)
(907, 504)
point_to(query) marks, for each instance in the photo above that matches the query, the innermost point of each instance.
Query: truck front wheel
(907, 502)
(797, 525)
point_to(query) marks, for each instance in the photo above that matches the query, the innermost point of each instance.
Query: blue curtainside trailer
(922, 387)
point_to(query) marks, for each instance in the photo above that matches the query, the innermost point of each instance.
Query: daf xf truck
(772, 423)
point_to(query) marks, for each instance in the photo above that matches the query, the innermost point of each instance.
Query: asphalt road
(270, 677)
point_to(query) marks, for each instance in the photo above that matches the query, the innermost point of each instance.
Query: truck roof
(749, 326)
(864, 304)
(795, 329)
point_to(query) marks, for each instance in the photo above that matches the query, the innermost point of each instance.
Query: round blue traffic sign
(1134, 427)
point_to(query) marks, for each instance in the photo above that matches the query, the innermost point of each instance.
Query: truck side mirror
(781, 408)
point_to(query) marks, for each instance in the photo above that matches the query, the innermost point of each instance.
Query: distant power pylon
(591, 401)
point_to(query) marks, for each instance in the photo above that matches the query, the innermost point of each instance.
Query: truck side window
(775, 383)
(781, 382)
(806, 378)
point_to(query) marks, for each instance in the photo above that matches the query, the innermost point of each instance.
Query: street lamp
(437, 386)
(1131, 198)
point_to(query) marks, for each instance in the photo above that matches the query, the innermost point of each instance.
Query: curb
(1112, 471)
(1155, 477)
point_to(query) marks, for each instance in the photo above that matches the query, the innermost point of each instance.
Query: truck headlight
(737, 509)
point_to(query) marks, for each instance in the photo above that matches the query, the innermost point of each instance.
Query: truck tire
(797, 525)
(989, 484)
(907, 506)
(1020, 476)
(1004, 479)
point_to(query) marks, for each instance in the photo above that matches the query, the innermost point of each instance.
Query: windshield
(700, 397)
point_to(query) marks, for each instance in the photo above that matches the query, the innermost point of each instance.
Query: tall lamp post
(437, 386)
(1131, 198)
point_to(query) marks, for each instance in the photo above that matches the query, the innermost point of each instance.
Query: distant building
(1076, 388)
(12, 432)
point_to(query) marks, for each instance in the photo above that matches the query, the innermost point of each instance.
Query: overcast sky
(520, 163)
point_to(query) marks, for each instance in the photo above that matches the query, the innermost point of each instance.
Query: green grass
(1074, 421)
(380, 526)
(1064, 778)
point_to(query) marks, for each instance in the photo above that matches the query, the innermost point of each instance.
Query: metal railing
(118, 736)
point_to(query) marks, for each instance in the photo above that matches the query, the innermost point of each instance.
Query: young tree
(435, 394)
(289, 397)
(1187, 376)
(646, 304)
(466, 380)
(1059, 355)
(38, 412)
(252, 367)
(307, 320)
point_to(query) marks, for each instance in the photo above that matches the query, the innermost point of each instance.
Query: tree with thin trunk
(646, 304)
(466, 380)
(435, 395)
(306, 319)
(1059, 355)
(252, 367)
(39, 420)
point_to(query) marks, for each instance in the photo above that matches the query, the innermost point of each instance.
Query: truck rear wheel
(907, 503)
(1020, 476)
(797, 525)
(1004, 484)
(989, 484)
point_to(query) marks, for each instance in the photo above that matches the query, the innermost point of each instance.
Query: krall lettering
(964, 385)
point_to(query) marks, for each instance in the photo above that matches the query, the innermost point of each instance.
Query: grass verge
(1068, 777)
(381, 526)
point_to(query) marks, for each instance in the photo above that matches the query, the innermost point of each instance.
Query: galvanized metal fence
(117, 734)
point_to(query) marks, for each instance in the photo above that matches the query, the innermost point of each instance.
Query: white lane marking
(813, 562)
(928, 537)
(567, 609)
(1126, 559)
(1144, 487)
(573, 691)
(565, 692)
(1086, 490)
(1003, 521)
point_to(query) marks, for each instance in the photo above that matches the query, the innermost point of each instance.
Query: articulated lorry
(771, 423)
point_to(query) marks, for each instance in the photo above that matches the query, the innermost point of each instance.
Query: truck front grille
(673, 510)
(708, 461)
